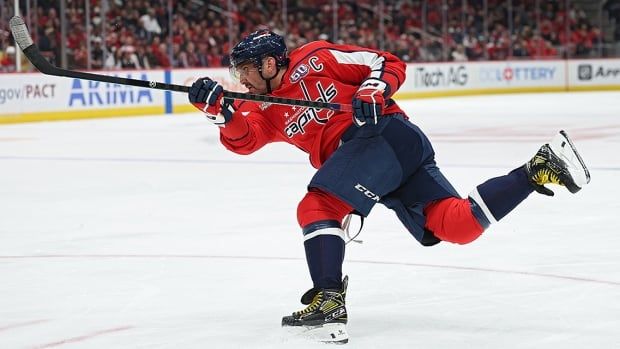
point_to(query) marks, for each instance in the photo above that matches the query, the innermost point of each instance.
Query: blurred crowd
(128, 34)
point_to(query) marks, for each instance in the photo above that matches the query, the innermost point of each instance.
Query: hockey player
(374, 155)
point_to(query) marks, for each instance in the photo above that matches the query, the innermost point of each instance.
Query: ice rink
(145, 233)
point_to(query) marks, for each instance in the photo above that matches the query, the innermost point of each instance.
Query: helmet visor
(241, 70)
(234, 74)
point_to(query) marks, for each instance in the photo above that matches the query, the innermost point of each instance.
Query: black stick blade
(24, 41)
(20, 32)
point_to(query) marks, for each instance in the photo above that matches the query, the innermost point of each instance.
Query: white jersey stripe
(327, 231)
(485, 209)
(369, 59)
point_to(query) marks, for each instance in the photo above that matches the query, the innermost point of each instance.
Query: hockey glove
(368, 102)
(207, 95)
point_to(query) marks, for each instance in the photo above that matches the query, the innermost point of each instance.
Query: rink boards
(37, 97)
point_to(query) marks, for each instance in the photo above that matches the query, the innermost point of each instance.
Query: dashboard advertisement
(37, 97)
(596, 72)
(34, 96)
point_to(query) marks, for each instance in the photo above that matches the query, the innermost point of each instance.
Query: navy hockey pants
(393, 163)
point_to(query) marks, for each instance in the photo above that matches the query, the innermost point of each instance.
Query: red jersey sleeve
(354, 64)
(247, 131)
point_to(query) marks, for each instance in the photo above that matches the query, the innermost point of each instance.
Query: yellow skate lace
(314, 305)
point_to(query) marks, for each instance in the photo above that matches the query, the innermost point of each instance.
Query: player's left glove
(368, 102)
(207, 95)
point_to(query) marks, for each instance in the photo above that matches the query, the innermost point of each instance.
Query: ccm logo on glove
(368, 102)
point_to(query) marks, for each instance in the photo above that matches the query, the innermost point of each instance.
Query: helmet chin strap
(267, 80)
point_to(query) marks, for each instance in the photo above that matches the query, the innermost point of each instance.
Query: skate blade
(564, 148)
(334, 333)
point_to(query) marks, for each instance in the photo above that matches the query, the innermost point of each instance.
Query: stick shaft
(23, 39)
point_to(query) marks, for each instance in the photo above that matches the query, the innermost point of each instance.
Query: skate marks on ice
(422, 299)
(525, 133)
(129, 230)
(275, 258)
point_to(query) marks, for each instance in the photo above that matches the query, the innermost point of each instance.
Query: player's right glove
(368, 102)
(207, 95)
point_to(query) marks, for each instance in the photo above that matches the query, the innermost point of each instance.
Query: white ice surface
(146, 233)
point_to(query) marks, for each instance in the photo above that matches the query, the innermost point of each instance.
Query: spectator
(145, 59)
(459, 55)
(7, 62)
(583, 39)
(415, 30)
(47, 42)
(161, 56)
(112, 60)
(149, 22)
(96, 58)
(128, 58)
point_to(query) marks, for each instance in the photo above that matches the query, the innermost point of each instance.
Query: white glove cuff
(222, 118)
(373, 83)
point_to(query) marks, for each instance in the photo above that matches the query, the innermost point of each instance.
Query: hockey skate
(325, 317)
(557, 162)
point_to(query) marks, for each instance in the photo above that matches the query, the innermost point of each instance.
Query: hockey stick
(24, 41)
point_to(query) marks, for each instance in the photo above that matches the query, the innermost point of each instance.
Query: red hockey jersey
(318, 71)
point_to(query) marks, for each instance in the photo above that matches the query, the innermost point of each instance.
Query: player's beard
(254, 90)
(250, 87)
